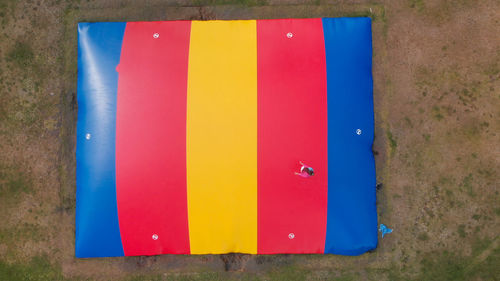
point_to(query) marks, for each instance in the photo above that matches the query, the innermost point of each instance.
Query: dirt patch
(437, 115)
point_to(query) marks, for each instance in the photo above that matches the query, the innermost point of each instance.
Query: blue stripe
(97, 229)
(352, 213)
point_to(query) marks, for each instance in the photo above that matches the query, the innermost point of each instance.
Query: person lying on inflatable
(305, 171)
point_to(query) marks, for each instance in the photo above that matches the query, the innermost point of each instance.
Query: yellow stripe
(222, 137)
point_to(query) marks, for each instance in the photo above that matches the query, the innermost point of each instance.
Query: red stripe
(292, 127)
(151, 138)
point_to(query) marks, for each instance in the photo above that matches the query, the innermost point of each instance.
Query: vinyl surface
(190, 135)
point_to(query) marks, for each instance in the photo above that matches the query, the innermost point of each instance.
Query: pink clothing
(303, 174)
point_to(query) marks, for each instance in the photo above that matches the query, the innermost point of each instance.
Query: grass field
(437, 146)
